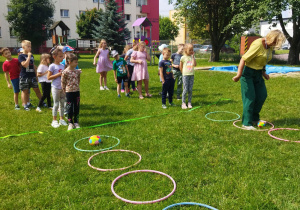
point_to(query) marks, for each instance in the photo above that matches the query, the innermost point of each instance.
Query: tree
(214, 18)
(168, 30)
(86, 22)
(275, 8)
(31, 19)
(111, 26)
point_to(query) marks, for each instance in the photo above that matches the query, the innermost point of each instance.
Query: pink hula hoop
(142, 202)
(234, 123)
(117, 150)
(274, 137)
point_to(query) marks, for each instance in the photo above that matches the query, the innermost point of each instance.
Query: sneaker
(134, 89)
(30, 105)
(248, 127)
(76, 125)
(55, 124)
(17, 107)
(172, 104)
(62, 122)
(164, 106)
(178, 98)
(26, 108)
(101, 88)
(119, 96)
(183, 106)
(122, 90)
(38, 109)
(70, 127)
(190, 105)
(127, 95)
(106, 88)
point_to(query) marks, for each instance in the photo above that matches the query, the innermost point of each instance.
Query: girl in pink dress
(104, 64)
(140, 71)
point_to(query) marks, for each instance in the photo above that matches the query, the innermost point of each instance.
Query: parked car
(197, 47)
(285, 47)
(206, 49)
(227, 49)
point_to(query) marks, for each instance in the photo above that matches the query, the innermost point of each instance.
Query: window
(64, 13)
(127, 17)
(101, 1)
(127, 1)
(12, 32)
(141, 2)
(81, 12)
(139, 16)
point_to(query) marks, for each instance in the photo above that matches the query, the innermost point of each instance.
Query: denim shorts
(27, 83)
(15, 84)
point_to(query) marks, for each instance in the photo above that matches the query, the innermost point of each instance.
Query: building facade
(67, 10)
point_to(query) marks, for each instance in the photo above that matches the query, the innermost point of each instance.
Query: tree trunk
(215, 55)
(293, 55)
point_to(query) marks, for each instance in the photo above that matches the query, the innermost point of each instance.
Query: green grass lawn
(212, 162)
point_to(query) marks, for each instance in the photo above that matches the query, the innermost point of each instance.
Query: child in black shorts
(121, 72)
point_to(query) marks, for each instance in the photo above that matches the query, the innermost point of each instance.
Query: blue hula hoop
(96, 150)
(190, 203)
(238, 116)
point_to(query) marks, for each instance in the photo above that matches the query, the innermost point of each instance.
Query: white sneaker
(101, 88)
(76, 125)
(190, 105)
(55, 124)
(248, 127)
(70, 127)
(106, 88)
(62, 122)
(38, 109)
(183, 106)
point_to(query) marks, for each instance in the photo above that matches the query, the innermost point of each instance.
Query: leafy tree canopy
(168, 30)
(86, 22)
(31, 19)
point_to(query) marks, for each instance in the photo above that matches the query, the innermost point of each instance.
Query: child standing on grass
(186, 66)
(11, 68)
(42, 73)
(175, 59)
(251, 71)
(126, 49)
(130, 65)
(140, 71)
(120, 72)
(160, 48)
(28, 78)
(54, 74)
(104, 64)
(70, 80)
(167, 78)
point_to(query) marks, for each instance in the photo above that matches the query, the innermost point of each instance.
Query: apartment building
(66, 11)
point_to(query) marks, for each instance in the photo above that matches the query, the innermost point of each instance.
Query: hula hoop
(117, 150)
(234, 123)
(190, 203)
(238, 116)
(142, 202)
(96, 150)
(274, 137)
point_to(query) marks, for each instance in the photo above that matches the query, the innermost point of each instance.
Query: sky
(164, 8)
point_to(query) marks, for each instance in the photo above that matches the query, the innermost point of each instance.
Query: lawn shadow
(101, 111)
(287, 122)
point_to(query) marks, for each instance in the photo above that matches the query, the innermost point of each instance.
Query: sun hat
(114, 53)
(163, 46)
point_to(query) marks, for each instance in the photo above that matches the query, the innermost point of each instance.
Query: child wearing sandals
(104, 64)
(140, 71)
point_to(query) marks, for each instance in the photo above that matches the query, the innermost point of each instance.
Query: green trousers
(178, 76)
(254, 94)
